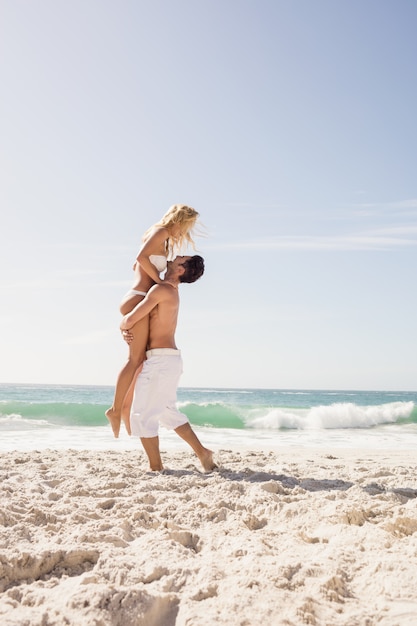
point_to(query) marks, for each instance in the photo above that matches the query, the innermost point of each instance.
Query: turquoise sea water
(35, 417)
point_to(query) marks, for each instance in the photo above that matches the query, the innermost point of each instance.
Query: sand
(292, 537)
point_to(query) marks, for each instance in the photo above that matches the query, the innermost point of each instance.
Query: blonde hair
(177, 214)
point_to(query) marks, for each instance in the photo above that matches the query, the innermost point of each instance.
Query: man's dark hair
(194, 269)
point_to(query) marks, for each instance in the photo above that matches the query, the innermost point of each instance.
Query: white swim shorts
(155, 397)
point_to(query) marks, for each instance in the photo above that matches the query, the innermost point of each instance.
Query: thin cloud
(55, 283)
(399, 208)
(94, 337)
(252, 205)
(403, 229)
(396, 209)
(384, 240)
(399, 204)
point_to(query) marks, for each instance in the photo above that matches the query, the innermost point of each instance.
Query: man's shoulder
(165, 290)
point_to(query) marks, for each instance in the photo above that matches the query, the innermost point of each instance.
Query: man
(155, 394)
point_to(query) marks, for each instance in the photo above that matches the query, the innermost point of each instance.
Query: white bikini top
(159, 260)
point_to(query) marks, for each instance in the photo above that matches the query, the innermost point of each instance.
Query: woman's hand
(125, 323)
(125, 330)
(127, 336)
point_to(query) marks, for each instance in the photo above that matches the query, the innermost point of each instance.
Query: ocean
(37, 417)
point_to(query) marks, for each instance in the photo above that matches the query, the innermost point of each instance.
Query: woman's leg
(137, 349)
(128, 399)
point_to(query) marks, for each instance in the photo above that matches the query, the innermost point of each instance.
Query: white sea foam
(73, 418)
(347, 415)
(15, 421)
(339, 415)
(100, 438)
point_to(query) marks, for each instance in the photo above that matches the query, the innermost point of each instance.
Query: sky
(289, 125)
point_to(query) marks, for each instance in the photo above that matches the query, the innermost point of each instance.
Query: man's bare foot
(157, 468)
(206, 460)
(114, 421)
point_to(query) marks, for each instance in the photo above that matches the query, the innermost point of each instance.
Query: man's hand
(127, 336)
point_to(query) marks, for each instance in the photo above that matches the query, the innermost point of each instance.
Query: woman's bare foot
(114, 420)
(126, 422)
(206, 460)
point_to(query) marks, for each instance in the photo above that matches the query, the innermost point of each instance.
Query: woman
(160, 242)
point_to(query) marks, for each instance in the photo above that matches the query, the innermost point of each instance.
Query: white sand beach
(291, 537)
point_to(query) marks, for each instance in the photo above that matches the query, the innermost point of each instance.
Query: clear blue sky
(289, 125)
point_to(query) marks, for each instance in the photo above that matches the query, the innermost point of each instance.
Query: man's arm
(154, 296)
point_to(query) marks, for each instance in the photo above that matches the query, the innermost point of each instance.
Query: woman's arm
(154, 244)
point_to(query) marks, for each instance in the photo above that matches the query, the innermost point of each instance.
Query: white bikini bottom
(134, 292)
